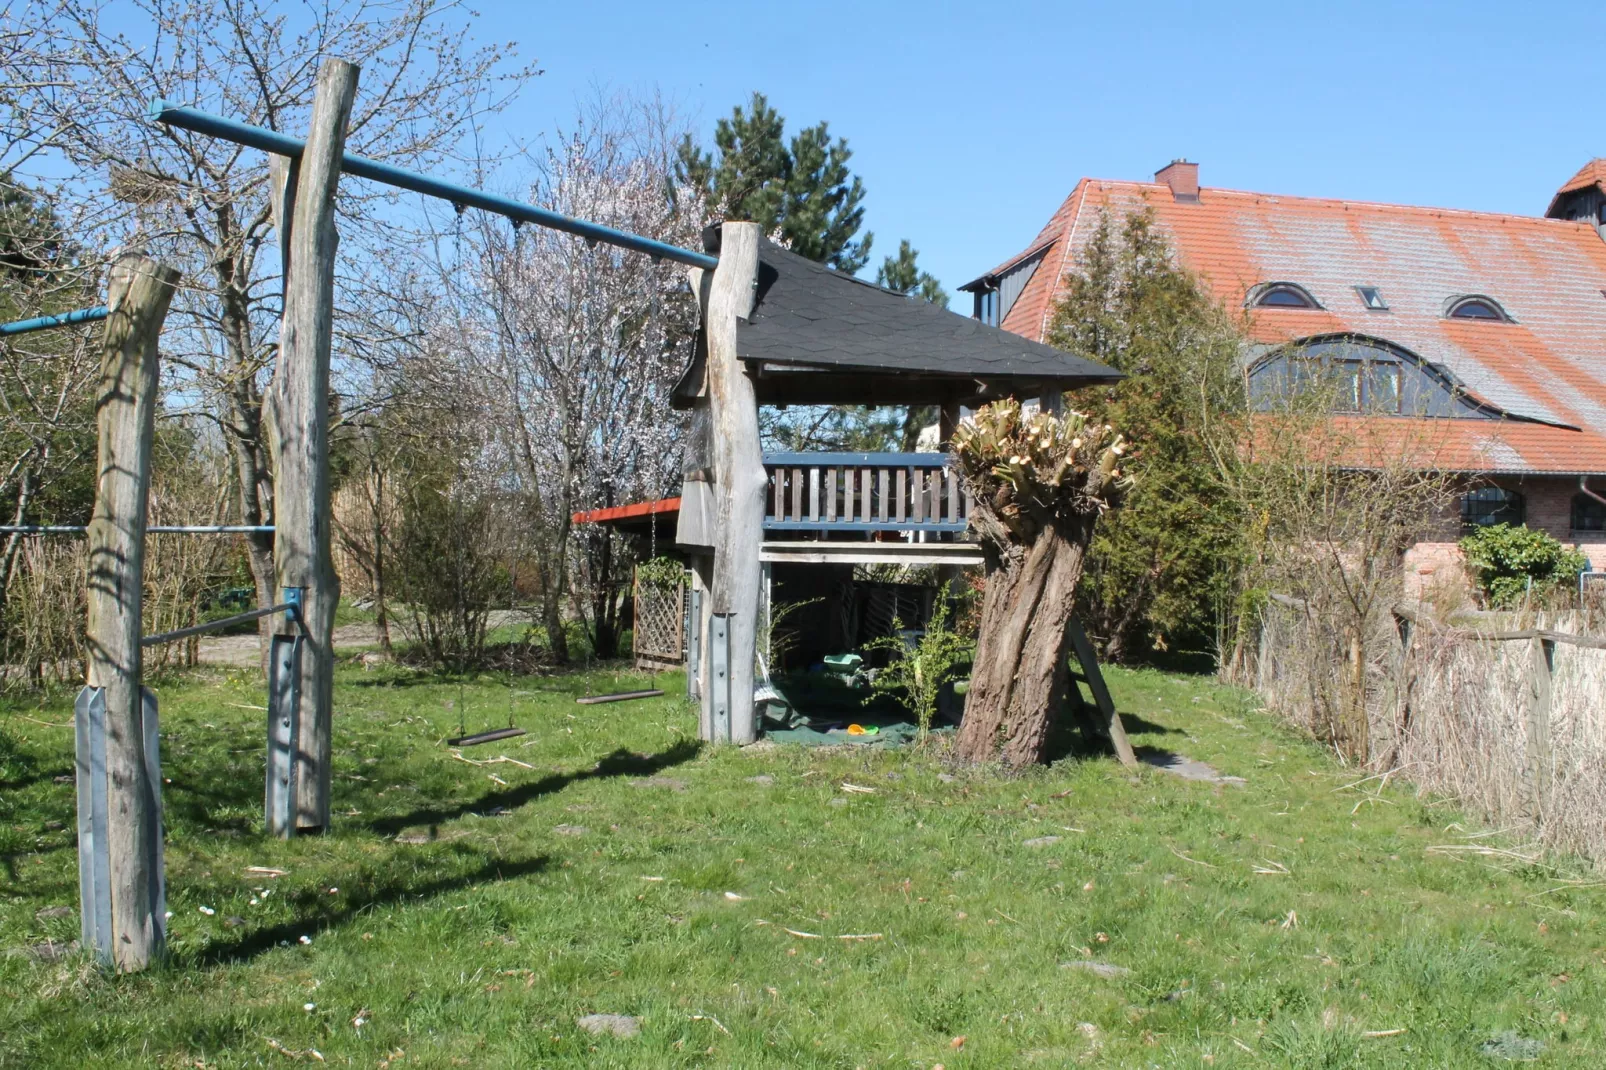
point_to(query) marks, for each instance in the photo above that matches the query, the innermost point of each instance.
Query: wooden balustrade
(862, 492)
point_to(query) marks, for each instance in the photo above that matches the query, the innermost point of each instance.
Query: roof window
(1372, 298)
(1477, 308)
(1282, 295)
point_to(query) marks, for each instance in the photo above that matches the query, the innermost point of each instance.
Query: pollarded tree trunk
(1038, 486)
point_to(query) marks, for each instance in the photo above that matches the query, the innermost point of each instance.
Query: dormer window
(1477, 308)
(1281, 295)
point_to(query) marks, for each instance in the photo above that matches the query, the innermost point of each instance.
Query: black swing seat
(484, 737)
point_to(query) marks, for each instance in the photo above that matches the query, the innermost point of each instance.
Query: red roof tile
(1592, 173)
(1504, 447)
(1548, 365)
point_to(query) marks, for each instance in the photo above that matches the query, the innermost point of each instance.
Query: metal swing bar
(45, 323)
(272, 141)
(154, 529)
(215, 625)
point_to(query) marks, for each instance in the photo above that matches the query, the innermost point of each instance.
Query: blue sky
(970, 123)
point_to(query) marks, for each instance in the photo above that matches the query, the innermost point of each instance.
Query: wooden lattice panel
(660, 622)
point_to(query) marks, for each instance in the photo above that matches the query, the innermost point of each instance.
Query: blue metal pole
(272, 141)
(45, 323)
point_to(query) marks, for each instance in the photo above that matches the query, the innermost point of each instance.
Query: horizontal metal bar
(45, 323)
(210, 626)
(950, 527)
(154, 529)
(284, 145)
(858, 460)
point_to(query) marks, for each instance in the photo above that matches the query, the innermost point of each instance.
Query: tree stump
(1039, 485)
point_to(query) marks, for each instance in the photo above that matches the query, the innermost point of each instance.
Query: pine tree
(902, 274)
(802, 189)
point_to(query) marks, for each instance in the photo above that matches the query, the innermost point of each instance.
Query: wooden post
(125, 408)
(1540, 671)
(738, 467)
(1114, 731)
(300, 434)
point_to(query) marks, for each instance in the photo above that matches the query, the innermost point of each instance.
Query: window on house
(1383, 388)
(987, 307)
(1477, 308)
(1284, 296)
(1372, 298)
(1488, 506)
(1356, 385)
(1347, 390)
(1588, 514)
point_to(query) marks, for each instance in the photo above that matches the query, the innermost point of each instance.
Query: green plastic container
(843, 664)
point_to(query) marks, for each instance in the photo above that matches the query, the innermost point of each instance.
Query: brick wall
(1548, 504)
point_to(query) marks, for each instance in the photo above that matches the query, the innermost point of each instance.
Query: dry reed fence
(46, 606)
(1510, 724)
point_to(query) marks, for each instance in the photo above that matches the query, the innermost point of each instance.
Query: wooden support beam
(125, 411)
(300, 435)
(1114, 731)
(947, 423)
(739, 469)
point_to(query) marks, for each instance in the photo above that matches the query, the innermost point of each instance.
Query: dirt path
(242, 651)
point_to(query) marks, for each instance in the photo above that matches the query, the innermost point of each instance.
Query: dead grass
(1454, 721)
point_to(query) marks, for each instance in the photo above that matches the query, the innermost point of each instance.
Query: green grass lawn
(465, 915)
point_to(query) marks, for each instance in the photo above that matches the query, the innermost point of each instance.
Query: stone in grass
(414, 836)
(672, 783)
(51, 951)
(46, 913)
(763, 780)
(1100, 969)
(837, 800)
(620, 1025)
(1512, 1047)
(1041, 841)
(570, 830)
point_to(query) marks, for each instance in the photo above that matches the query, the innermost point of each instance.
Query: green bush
(1508, 562)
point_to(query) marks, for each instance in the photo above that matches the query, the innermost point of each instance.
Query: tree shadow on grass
(318, 913)
(1137, 725)
(621, 762)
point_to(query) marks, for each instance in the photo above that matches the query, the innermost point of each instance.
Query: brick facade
(1548, 503)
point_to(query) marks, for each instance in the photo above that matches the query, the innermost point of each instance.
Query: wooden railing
(860, 492)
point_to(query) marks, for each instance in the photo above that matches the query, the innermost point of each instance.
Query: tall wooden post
(300, 435)
(739, 469)
(1541, 671)
(131, 933)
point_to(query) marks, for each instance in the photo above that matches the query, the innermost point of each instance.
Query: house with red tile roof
(1477, 338)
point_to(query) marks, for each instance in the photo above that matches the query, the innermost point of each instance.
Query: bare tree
(572, 347)
(1330, 506)
(203, 204)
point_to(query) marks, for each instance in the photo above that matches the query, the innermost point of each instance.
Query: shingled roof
(1548, 365)
(818, 335)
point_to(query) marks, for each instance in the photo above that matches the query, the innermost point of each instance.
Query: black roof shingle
(809, 317)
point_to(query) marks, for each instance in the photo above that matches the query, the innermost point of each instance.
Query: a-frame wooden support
(1109, 723)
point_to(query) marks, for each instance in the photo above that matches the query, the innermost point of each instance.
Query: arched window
(1488, 506)
(1477, 308)
(1588, 514)
(1283, 295)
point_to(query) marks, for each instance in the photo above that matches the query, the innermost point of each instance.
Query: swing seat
(477, 738)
